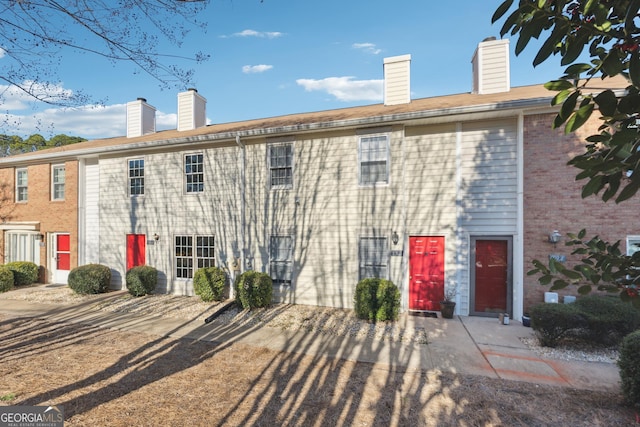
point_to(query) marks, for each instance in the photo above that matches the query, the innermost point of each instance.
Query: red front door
(491, 276)
(136, 247)
(426, 272)
(63, 252)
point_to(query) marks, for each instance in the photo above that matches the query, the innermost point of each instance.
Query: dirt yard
(103, 377)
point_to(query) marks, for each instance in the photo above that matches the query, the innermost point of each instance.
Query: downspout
(243, 220)
(517, 278)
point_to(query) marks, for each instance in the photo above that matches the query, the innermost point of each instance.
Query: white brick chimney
(491, 67)
(192, 110)
(397, 80)
(141, 118)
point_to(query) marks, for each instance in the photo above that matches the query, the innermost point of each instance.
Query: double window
(21, 185)
(374, 258)
(136, 177)
(280, 160)
(57, 182)
(194, 173)
(22, 246)
(281, 260)
(373, 154)
(191, 253)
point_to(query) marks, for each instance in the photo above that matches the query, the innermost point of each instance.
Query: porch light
(395, 238)
(554, 237)
(156, 237)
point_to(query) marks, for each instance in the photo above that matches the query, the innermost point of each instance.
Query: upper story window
(373, 154)
(374, 258)
(57, 182)
(280, 159)
(21, 185)
(136, 177)
(194, 173)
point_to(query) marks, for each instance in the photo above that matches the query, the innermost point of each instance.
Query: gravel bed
(324, 320)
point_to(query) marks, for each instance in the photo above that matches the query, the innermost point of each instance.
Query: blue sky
(283, 56)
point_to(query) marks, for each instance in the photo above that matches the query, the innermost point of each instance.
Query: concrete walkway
(463, 345)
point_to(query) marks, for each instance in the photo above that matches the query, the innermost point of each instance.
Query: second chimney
(192, 112)
(491, 67)
(397, 80)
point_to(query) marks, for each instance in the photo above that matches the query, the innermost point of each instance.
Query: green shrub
(210, 283)
(90, 279)
(629, 366)
(141, 280)
(552, 322)
(609, 319)
(24, 272)
(376, 299)
(388, 296)
(6, 279)
(254, 289)
(365, 299)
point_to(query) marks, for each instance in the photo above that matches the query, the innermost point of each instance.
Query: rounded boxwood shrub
(6, 279)
(90, 279)
(210, 283)
(24, 272)
(388, 296)
(552, 322)
(609, 319)
(629, 366)
(254, 289)
(141, 280)
(365, 299)
(376, 299)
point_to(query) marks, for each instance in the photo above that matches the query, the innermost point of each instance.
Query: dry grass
(112, 378)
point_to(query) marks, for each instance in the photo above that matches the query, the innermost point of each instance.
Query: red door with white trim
(61, 257)
(136, 248)
(490, 275)
(426, 272)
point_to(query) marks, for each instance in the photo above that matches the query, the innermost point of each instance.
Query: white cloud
(367, 47)
(251, 69)
(254, 33)
(2, 52)
(345, 88)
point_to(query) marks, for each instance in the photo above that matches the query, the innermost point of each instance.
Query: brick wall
(552, 200)
(53, 216)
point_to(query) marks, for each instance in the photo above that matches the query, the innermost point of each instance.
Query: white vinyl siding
(21, 185)
(92, 212)
(57, 182)
(374, 160)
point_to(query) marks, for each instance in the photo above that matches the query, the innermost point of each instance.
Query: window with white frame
(22, 246)
(57, 182)
(21, 185)
(194, 173)
(633, 245)
(373, 153)
(280, 159)
(191, 253)
(136, 177)
(281, 260)
(374, 257)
